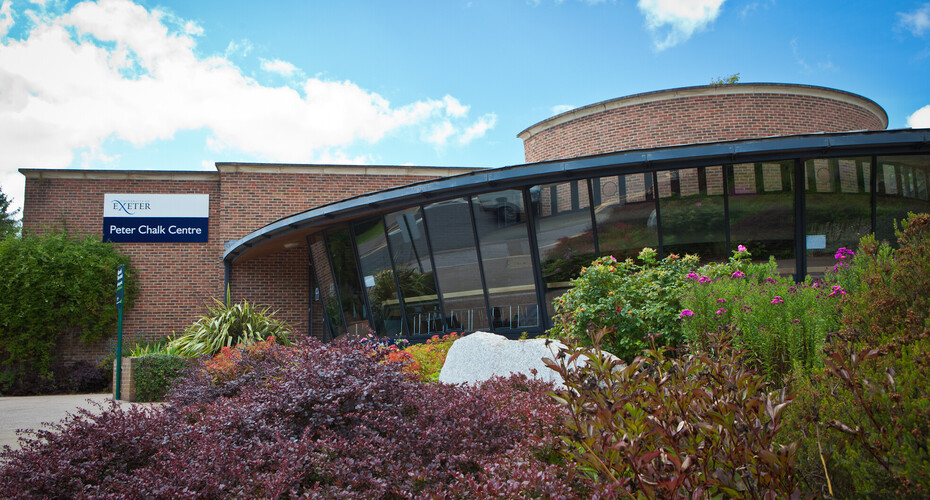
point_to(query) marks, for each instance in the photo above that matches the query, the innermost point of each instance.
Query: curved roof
(294, 228)
(709, 90)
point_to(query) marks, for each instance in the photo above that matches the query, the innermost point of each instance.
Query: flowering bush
(864, 420)
(427, 359)
(628, 300)
(779, 324)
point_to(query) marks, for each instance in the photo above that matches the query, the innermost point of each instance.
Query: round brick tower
(693, 115)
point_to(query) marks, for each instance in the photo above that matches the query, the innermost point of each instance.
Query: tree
(54, 285)
(8, 223)
(725, 80)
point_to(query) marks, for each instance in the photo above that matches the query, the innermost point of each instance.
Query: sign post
(119, 332)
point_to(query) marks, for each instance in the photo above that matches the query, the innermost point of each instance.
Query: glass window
(564, 234)
(692, 212)
(452, 238)
(407, 238)
(345, 271)
(761, 204)
(902, 188)
(500, 219)
(378, 277)
(626, 214)
(839, 208)
(329, 300)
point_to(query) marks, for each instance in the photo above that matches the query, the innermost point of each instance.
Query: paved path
(29, 412)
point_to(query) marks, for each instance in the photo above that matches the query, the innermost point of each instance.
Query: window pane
(692, 212)
(407, 236)
(453, 240)
(505, 254)
(378, 277)
(902, 188)
(564, 234)
(346, 273)
(327, 284)
(762, 211)
(839, 209)
(626, 214)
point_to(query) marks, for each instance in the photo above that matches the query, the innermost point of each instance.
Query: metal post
(119, 332)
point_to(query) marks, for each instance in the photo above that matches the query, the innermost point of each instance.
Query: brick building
(414, 251)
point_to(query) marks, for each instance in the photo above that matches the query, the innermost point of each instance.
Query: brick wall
(176, 280)
(695, 119)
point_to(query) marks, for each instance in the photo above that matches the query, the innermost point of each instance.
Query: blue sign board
(156, 218)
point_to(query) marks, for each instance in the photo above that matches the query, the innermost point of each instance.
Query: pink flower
(721, 311)
(837, 290)
(721, 301)
(693, 275)
(741, 248)
(704, 279)
(738, 274)
(843, 252)
(686, 313)
(778, 299)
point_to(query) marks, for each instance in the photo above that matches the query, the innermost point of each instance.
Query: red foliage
(316, 420)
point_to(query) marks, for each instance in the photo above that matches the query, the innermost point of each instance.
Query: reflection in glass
(902, 188)
(407, 237)
(839, 210)
(378, 277)
(346, 273)
(564, 234)
(327, 285)
(453, 241)
(626, 214)
(505, 255)
(761, 204)
(693, 217)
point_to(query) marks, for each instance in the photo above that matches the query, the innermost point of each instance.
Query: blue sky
(179, 85)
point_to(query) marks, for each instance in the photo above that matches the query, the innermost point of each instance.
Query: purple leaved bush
(317, 420)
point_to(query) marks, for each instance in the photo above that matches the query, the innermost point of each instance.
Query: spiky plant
(227, 326)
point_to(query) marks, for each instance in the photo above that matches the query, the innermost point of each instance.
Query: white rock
(482, 355)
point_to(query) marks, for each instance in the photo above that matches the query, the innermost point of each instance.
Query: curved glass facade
(492, 250)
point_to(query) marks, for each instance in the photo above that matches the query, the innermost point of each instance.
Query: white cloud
(920, 118)
(440, 133)
(6, 17)
(240, 48)
(114, 70)
(561, 108)
(674, 21)
(917, 22)
(478, 129)
(454, 107)
(280, 67)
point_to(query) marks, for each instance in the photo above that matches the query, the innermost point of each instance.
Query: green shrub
(153, 375)
(229, 326)
(627, 300)
(54, 284)
(864, 423)
(663, 427)
(894, 286)
(777, 323)
(864, 420)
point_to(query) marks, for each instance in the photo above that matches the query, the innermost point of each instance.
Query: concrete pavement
(29, 412)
